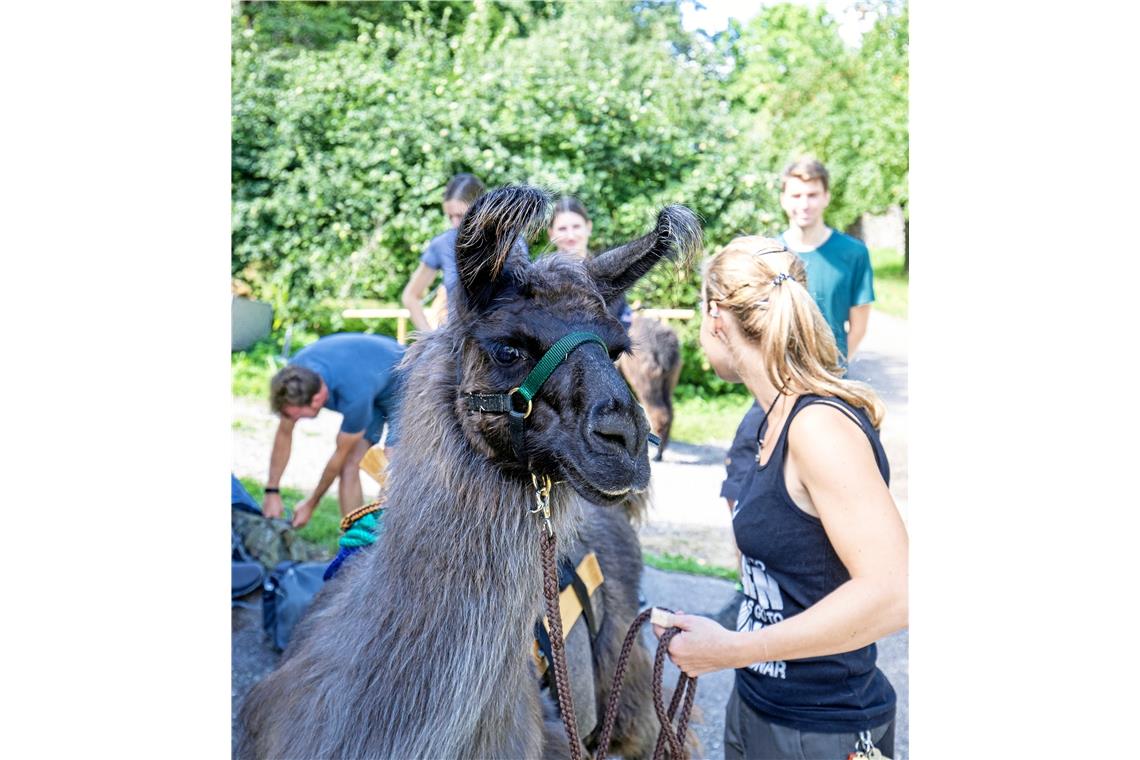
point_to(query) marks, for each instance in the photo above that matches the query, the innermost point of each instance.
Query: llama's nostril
(614, 430)
(614, 438)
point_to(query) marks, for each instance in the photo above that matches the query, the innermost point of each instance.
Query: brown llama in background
(653, 370)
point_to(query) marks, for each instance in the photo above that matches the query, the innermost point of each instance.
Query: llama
(653, 370)
(421, 646)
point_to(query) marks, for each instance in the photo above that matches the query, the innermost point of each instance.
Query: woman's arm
(414, 292)
(835, 464)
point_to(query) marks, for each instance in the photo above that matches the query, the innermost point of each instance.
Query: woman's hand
(705, 646)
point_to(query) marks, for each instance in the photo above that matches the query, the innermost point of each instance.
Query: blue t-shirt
(439, 254)
(787, 565)
(839, 278)
(359, 371)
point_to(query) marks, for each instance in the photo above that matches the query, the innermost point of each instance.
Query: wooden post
(401, 330)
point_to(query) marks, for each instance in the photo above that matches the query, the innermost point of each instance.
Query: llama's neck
(461, 546)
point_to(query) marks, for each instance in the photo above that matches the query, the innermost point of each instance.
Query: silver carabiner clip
(542, 501)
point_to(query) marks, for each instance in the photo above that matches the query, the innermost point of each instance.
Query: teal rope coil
(364, 531)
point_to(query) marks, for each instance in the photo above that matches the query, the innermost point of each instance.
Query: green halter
(504, 402)
(552, 358)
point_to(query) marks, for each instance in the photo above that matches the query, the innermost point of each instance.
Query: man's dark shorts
(385, 410)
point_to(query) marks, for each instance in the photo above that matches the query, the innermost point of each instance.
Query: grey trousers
(748, 736)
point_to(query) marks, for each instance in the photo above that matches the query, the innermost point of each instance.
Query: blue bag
(246, 572)
(285, 596)
(241, 498)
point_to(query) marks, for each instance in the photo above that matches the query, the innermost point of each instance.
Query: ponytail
(765, 287)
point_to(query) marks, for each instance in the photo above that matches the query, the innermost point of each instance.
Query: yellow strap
(569, 607)
(375, 464)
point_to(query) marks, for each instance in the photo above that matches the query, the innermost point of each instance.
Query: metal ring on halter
(529, 403)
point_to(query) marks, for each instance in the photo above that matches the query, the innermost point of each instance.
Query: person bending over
(353, 374)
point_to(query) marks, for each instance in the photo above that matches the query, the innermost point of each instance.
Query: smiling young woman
(570, 228)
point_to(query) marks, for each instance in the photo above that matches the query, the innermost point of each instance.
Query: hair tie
(781, 277)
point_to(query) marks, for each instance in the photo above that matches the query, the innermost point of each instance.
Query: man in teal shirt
(838, 265)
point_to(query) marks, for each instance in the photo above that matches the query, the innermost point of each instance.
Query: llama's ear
(676, 235)
(488, 249)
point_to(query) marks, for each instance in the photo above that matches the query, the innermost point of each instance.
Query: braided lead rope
(685, 684)
(619, 676)
(686, 708)
(557, 645)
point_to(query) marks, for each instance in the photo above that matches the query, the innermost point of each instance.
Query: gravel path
(687, 518)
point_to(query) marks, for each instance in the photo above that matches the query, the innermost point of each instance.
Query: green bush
(349, 118)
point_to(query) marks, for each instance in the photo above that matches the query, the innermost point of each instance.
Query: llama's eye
(504, 354)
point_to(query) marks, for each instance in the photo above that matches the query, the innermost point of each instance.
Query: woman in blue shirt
(823, 548)
(439, 254)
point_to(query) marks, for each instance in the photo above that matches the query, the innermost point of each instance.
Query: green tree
(321, 25)
(340, 154)
(804, 91)
(884, 89)
(349, 118)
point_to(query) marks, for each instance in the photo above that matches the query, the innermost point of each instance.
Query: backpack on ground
(247, 573)
(286, 595)
(267, 540)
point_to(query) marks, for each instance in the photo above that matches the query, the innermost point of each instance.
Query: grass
(250, 370)
(323, 527)
(675, 563)
(705, 420)
(892, 284)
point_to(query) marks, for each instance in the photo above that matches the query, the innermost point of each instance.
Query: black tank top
(788, 564)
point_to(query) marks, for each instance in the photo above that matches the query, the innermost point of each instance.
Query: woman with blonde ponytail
(823, 549)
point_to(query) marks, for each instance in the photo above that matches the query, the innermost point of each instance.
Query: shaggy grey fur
(421, 646)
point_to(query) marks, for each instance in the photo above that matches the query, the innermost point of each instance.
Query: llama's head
(585, 427)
